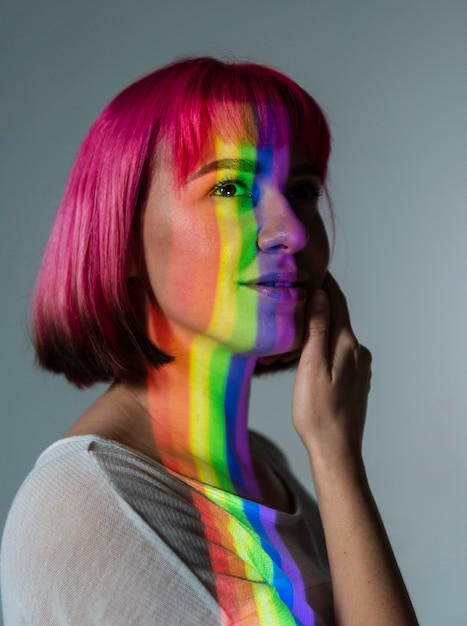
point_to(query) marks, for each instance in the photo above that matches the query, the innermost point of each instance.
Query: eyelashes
(306, 190)
(235, 188)
(232, 188)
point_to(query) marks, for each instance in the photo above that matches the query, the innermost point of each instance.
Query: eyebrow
(252, 167)
(241, 165)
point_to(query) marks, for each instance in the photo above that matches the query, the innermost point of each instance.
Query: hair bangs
(244, 103)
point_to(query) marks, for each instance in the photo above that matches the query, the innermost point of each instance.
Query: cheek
(190, 255)
(197, 274)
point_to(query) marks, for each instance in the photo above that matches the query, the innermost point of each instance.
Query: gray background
(392, 78)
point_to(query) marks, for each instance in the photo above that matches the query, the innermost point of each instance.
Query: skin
(207, 247)
(211, 318)
(329, 409)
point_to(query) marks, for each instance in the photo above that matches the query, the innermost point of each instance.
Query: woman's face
(232, 253)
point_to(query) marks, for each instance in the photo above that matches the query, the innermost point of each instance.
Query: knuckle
(318, 328)
(350, 341)
(366, 354)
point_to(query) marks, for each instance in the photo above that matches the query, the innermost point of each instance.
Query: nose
(280, 230)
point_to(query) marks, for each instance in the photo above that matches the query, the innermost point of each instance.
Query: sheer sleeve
(75, 553)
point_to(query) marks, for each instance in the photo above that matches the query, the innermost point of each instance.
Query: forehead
(252, 130)
(273, 160)
(232, 153)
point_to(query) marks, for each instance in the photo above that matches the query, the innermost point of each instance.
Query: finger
(316, 346)
(338, 303)
(365, 355)
(366, 358)
(341, 336)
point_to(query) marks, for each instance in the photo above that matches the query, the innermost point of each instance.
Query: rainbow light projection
(200, 427)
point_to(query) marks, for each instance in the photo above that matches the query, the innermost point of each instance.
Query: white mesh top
(100, 534)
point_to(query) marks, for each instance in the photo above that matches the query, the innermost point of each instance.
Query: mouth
(281, 286)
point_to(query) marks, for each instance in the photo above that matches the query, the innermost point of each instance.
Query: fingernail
(318, 302)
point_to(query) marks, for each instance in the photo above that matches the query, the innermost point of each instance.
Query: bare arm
(329, 407)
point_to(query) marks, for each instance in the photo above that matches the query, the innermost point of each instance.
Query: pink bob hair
(84, 322)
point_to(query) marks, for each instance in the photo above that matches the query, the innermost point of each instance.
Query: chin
(265, 366)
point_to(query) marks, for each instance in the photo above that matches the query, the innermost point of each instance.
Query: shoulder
(62, 479)
(75, 551)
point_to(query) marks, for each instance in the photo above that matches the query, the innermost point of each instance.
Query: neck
(198, 408)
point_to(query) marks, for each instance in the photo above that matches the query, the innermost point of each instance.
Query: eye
(304, 191)
(231, 189)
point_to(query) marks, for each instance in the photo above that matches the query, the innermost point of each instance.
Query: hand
(333, 380)
(329, 407)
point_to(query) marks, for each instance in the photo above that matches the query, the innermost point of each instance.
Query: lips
(281, 279)
(281, 286)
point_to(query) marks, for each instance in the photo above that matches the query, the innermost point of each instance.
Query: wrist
(342, 469)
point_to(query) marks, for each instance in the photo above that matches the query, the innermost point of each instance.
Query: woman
(188, 254)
